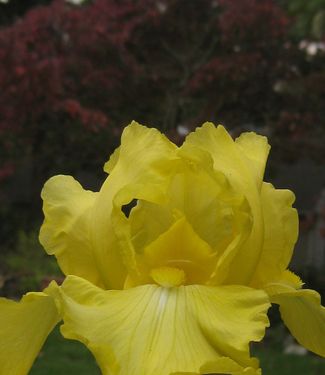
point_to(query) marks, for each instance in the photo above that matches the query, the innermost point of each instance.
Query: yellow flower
(172, 265)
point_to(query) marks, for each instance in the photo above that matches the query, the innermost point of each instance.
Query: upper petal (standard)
(256, 149)
(244, 169)
(140, 170)
(280, 233)
(87, 231)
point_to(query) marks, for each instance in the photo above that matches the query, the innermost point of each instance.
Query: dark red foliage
(248, 61)
(61, 53)
(252, 22)
(110, 61)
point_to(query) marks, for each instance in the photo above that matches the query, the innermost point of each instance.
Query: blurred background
(74, 73)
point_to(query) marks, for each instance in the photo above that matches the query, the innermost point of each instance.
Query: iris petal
(78, 226)
(65, 232)
(220, 216)
(182, 248)
(281, 232)
(256, 149)
(301, 311)
(153, 330)
(24, 326)
(139, 170)
(226, 365)
(236, 163)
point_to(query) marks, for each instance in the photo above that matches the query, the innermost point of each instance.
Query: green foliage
(274, 361)
(61, 356)
(309, 17)
(28, 265)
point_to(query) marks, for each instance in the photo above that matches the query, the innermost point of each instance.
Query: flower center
(168, 277)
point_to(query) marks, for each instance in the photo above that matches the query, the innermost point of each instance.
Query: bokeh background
(74, 73)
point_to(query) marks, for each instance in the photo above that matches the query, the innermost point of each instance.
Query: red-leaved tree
(72, 76)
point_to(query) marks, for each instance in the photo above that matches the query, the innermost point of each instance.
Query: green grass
(274, 361)
(60, 357)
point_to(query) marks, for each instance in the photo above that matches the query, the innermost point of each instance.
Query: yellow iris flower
(180, 284)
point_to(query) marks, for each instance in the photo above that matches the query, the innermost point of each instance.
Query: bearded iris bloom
(182, 283)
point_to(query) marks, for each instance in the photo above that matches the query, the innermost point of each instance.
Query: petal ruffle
(244, 169)
(256, 149)
(280, 233)
(226, 365)
(24, 327)
(301, 312)
(65, 232)
(139, 170)
(152, 330)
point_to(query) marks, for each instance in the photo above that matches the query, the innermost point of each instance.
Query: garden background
(74, 73)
